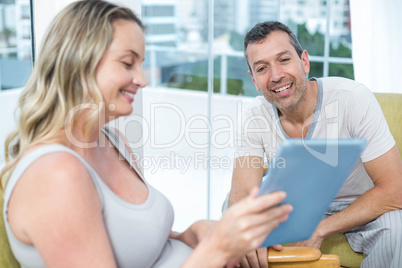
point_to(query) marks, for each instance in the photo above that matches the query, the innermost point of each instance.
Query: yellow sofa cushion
(338, 245)
(7, 259)
(391, 105)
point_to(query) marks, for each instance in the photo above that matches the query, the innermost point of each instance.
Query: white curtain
(377, 43)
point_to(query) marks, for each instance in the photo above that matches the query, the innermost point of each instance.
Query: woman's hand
(246, 224)
(243, 227)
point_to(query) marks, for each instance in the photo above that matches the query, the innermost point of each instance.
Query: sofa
(7, 259)
(335, 245)
(391, 105)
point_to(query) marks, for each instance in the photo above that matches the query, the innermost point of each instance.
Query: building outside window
(15, 43)
(323, 28)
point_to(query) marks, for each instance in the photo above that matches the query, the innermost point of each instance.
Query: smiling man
(368, 207)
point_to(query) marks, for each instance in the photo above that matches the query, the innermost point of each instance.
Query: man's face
(277, 70)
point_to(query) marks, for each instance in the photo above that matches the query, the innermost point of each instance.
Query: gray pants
(380, 240)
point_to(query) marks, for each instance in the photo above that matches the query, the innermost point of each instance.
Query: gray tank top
(138, 233)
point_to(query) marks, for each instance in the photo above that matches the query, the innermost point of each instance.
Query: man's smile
(282, 89)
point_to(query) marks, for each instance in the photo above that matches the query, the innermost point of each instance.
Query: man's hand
(313, 242)
(255, 259)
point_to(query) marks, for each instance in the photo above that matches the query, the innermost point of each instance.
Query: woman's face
(119, 73)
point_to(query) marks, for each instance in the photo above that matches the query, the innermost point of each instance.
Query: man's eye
(285, 60)
(260, 69)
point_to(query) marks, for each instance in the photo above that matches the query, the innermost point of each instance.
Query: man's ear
(305, 62)
(252, 78)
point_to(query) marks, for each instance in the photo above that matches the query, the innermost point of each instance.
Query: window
(198, 85)
(324, 31)
(25, 12)
(158, 11)
(15, 43)
(160, 29)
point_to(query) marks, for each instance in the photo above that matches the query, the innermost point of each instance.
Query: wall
(8, 102)
(377, 39)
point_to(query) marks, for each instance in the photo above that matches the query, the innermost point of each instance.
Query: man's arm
(386, 195)
(247, 173)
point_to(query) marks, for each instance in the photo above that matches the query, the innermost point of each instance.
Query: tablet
(311, 172)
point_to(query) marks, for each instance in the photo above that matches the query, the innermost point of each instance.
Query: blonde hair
(64, 75)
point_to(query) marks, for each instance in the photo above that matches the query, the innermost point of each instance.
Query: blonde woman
(68, 204)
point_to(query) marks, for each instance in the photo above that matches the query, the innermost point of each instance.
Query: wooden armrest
(301, 257)
(293, 254)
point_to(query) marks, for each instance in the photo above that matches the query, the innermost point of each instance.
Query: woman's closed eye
(127, 64)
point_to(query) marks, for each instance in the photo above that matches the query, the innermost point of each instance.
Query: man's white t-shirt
(344, 109)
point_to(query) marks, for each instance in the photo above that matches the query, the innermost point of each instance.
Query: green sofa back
(391, 105)
(7, 259)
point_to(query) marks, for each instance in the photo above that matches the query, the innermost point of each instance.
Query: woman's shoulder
(56, 185)
(50, 164)
(58, 162)
(50, 158)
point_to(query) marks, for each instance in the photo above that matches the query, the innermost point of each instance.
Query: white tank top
(138, 233)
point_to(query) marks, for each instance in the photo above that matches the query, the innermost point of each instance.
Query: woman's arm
(195, 233)
(56, 208)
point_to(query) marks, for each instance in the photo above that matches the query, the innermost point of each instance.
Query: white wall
(175, 141)
(44, 11)
(377, 40)
(8, 103)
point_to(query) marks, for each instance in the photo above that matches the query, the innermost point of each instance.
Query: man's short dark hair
(261, 30)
